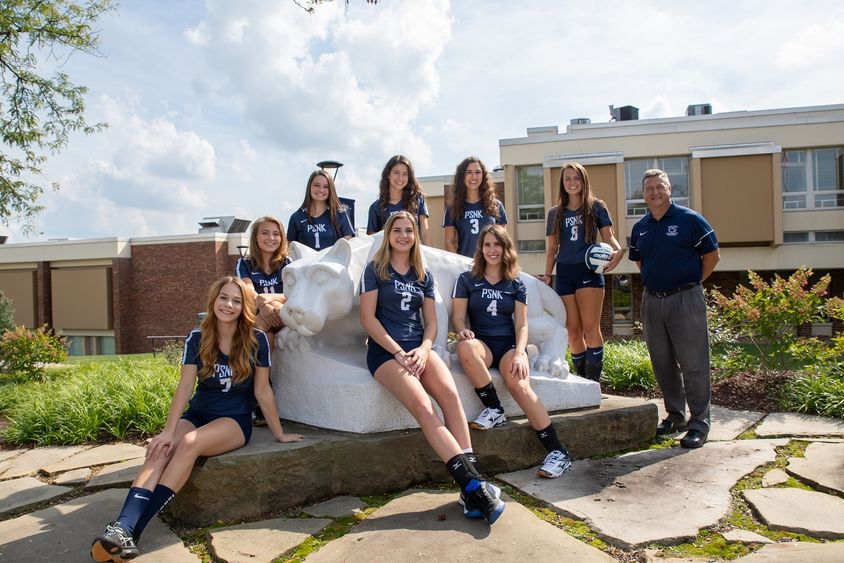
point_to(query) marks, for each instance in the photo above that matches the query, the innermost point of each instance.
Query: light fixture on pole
(330, 165)
(242, 250)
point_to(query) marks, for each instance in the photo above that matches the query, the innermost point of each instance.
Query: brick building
(109, 295)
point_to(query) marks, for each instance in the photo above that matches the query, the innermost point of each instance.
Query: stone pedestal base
(332, 388)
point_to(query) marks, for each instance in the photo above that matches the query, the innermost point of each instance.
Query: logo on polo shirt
(671, 231)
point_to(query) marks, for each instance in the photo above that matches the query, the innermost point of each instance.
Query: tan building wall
(19, 286)
(732, 186)
(82, 299)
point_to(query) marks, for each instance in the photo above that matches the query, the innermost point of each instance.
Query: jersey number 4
(493, 308)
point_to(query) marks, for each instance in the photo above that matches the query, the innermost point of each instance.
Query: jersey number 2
(405, 301)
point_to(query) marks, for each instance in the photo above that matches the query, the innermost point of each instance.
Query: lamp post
(242, 250)
(330, 165)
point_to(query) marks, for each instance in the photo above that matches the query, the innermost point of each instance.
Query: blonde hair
(509, 257)
(384, 253)
(255, 256)
(244, 342)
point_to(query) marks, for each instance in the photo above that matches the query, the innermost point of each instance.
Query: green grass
(119, 399)
(821, 394)
(78, 360)
(627, 366)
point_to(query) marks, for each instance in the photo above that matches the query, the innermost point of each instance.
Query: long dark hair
(487, 189)
(334, 205)
(410, 193)
(587, 202)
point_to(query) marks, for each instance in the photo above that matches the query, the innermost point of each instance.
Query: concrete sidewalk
(54, 501)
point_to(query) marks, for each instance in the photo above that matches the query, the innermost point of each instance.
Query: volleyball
(598, 256)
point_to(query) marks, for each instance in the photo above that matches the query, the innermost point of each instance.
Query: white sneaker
(556, 463)
(488, 418)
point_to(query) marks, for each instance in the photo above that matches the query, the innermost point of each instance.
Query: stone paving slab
(17, 494)
(727, 424)
(429, 526)
(32, 460)
(794, 424)
(100, 455)
(774, 477)
(9, 454)
(64, 533)
(822, 466)
(116, 475)
(73, 477)
(797, 510)
(797, 552)
(745, 536)
(262, 542)
(336, 507)
(650, 496)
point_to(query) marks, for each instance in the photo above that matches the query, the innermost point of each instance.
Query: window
(677, 169)
(798, 237)
(531, 246)
(530, 185)
(622, 302)
(813, 179)
(82, 345)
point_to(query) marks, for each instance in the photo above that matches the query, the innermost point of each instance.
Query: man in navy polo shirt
(675, 249)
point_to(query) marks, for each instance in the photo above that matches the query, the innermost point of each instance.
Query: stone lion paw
(289, 339)
(556, 368)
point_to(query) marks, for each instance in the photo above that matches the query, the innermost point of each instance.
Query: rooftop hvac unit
(580, 121)
(624, 113)
(699, 109)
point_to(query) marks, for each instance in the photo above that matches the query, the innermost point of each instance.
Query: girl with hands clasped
(573, 225)
(228, 361)
(261, 269)
(397, 311)
(494, 298)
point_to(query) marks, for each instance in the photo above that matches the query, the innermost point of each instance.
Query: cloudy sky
(223, 108)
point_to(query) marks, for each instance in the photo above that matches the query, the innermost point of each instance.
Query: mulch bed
(748, 391)
(751, 391)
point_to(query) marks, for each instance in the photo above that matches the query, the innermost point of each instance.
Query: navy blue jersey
(378, 217)
(490, 307)
(573, 243)
(670, 249)
(471, 224)
(400, 300)
(263, 283)
(318, 232)
(216, 394)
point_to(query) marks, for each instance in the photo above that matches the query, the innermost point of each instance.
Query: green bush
(90, 402)
(627, 366)
(26, 351)
(821, 394)
(7, 314)
(172, 350)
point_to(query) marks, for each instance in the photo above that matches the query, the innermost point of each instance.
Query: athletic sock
(579, 361)
(595, 355)
(462, 470)
(473, 459)
(548, 437)
(159, 499)
(489, 397)
(133, 508)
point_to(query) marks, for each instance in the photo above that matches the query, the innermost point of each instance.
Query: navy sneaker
(484, 496)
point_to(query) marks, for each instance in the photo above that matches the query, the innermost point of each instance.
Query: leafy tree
(7, 314)
(38, 112)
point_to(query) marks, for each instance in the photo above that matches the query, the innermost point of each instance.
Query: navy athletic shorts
(571, 277)
(376, 356)
(201, 419)
(498, 345)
